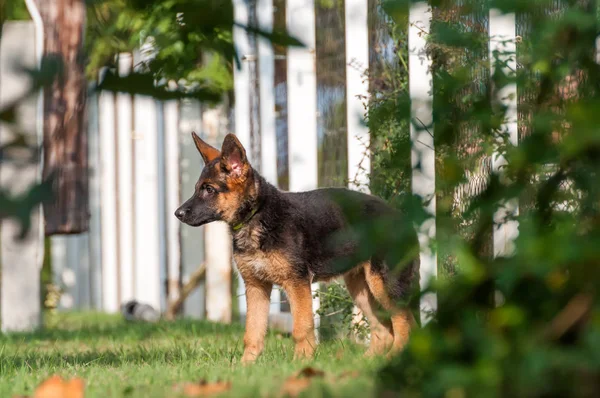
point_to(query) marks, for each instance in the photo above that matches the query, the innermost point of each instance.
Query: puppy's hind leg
(382, 335)
(402, 318)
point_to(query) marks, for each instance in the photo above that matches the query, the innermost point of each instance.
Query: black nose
(180, 213)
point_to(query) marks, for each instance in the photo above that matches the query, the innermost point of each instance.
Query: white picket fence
(143, 165)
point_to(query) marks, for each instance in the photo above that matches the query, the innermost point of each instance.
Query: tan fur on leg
(300, 296)
(257, 318)
(402, 319)
(382, 335)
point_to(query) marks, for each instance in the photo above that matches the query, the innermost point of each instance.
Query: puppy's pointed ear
(207, 152)
(233, 156)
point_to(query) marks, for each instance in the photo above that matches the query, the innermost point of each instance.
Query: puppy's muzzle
(181, 213)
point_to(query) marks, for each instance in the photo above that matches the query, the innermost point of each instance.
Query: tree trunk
(65, 129)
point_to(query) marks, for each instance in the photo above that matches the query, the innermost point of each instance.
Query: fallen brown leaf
(348, 374)
(300, 381)
(50, 388)
(293, 387)
(309, 372)
(56, 387)
(74, 388)
(203, 388)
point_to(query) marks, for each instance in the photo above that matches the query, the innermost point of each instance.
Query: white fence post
(79, 261)
(357, 94)
(242, 76)
(71, 270)
(266, 66)
(171, 112)
(124, 177)
(147, 282)
(21, 260)
(218, 272)
(218, 245)
(108, 211)
(192, 239)
(302, 104)
(147, 253)
(162, 204)
(242, 104)
(62, 276)
(423, 152)
(503, 43)
(598, 49)
(95, 233)
(268, 150)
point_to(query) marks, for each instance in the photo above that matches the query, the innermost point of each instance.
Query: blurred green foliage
(178, 37)
(336, 312)
(182, 48)
(526, 325)
(388, 109)
(11, 10)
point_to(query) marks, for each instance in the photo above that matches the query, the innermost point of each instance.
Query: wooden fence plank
(503, 40)
(218, 245)
(423, 152)
(192, 239)
(302, 104)
(147, 253)
(268, 150)
(171, 112)
(95, 232)
(242, 106)
(124, 177)
(108, 211)
(357, 95)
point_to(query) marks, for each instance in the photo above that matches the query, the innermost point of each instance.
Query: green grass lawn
(121, 359)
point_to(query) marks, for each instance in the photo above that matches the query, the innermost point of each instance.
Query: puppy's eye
(209, 190)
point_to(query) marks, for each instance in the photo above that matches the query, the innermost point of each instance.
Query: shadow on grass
(96, 325)
(108, 340)
(34, 360)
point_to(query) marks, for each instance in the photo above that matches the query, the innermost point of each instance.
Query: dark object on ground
(135, 311)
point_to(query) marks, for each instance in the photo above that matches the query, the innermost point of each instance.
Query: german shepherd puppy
(289, 239)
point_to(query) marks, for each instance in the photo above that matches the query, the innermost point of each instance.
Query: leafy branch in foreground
(184, 48)
(526, 324)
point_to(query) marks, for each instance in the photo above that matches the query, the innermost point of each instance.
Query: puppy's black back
(323, 232)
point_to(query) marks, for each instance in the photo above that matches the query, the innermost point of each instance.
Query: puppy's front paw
(251, 352)
(304, 350)
(249, 358)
